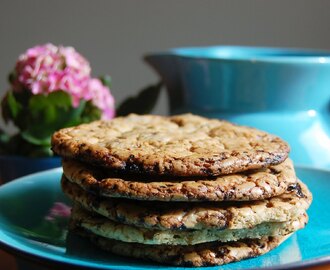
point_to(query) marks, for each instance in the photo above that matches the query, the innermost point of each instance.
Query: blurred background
(114, 35)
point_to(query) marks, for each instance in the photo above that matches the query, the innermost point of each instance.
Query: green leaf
(12, 77)
(32, 138)
(52, 112)
(38, 117)
(58, 99)
(46, 233)
(4, 140)
(10, 107)
(90, 113)
(46, 114)
(143, 103)
(106, 80)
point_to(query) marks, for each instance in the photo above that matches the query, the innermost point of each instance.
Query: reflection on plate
(34, 216)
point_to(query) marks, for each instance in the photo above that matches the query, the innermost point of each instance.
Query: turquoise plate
(33, 220)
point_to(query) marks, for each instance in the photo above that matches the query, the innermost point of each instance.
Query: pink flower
(100, 98)
(59, 210)
(48, 68)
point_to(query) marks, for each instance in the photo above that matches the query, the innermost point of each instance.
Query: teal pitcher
(282, 91)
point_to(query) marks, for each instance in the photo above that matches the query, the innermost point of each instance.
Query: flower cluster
(48, 68)
(59, 210)
(51, 87)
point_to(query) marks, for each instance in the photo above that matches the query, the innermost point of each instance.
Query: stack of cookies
(182, 190)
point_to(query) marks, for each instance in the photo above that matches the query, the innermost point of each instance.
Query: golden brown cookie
(190, 215)
(206, 254)
(104, 227)
(183, 145)
(256, 185)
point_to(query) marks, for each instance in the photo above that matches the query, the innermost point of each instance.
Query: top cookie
(182, 145)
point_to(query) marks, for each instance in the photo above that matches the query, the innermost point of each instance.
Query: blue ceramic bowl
(283, 91)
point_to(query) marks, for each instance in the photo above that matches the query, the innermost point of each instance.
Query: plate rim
(45, 259)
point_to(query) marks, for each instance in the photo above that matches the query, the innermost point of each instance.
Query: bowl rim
(250, 54)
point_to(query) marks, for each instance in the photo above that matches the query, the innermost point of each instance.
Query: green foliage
(4, 140)
(106, 80)
(11, 77)
(10, 107)
(38, 117)
(143, 103)
(90, 113)
(51, 232)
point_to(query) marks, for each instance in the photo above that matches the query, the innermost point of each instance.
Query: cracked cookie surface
(200, 215)
(252, 185)
(104, 227)
(182, 145)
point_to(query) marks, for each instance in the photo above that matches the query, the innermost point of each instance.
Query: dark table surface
(9, 262)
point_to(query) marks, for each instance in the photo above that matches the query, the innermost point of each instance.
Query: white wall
(114, 35)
